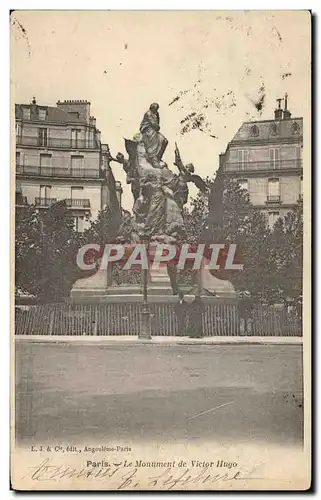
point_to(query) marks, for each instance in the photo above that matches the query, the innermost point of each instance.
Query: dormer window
(274, 130)
(254, 131)
(26, 113)
(295, 128)
(42, 114)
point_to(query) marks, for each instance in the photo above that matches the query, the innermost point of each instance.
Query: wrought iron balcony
(80, 173)
(275, 198)
(45, 202)
(78, 203)
(52, 142)
(252, 166)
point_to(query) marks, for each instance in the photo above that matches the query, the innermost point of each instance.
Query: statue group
(159, 193)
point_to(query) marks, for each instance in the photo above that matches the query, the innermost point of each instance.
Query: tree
(46, 249)
(102, 230)
(28, 250)
(196, 215)
(240, 223)
(195, 222)
(272, 259)
(286, 246)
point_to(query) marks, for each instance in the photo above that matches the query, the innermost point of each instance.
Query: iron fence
(54, 142)
(296, 163)
(36, 170)
(124, 319)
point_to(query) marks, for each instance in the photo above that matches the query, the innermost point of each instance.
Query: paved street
(240, 393)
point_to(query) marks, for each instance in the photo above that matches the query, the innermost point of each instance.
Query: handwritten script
(122, 478)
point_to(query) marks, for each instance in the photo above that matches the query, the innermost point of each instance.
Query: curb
(158, 340)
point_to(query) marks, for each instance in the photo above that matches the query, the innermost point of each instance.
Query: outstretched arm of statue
(178, 160)
(198, 181)
(122, 160)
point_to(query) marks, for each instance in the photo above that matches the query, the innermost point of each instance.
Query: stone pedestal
(99, 287)
(159, 282)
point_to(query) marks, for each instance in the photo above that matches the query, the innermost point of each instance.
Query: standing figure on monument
(155, 143)
(186, 174)
(131, 174)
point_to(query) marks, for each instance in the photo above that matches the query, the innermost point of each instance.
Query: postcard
(161, 271)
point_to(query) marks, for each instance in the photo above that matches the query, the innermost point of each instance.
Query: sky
(209, 71)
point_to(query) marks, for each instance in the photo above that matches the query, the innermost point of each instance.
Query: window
(254, 131)
(77, 162)
(42, 114)
(295, 128)
(75, 138)
(79, 224)
(274, 190)
(242, 158)
(45, 160)
(274, 158)
(243, 183)
(45, 192)
(26, 113)
(17, 158)
(18, 130)
(274, 130)
(273, 217)
(43, 137)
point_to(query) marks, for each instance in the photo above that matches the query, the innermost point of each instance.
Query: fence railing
(35, 170)
(262, 165)
(273, 198)
(57, 142)
(78, 202)
(45, 202)
(124, 319)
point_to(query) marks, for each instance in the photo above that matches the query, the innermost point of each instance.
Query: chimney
(286, 112)
(33, 109)
(92, 121)
(76, 106)
(278, 112)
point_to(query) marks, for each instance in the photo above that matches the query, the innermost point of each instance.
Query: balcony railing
(82, 203)
(275, 198)
(81, 173)
(78, 203)
(52, 142)
(45, 202)
(262, 165)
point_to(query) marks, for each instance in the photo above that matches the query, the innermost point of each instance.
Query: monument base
(96, 288)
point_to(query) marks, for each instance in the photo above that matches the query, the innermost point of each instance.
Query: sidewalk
(157, 340)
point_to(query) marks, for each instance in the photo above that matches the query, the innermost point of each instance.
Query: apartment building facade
(266, 159)
(59, 156)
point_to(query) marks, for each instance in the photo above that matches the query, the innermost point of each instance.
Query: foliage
(46, 247)
(102, 230)
(286, 254)
(272, 258)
